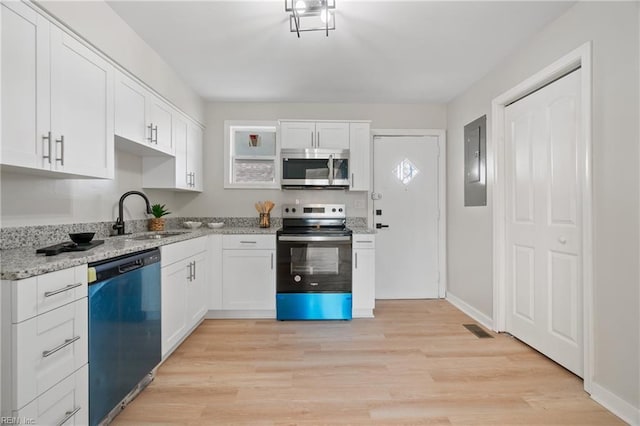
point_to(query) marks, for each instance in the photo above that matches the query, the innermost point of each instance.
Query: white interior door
(544, 229)
(406, 183)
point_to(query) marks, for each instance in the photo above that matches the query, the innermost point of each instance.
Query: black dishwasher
(124, 330)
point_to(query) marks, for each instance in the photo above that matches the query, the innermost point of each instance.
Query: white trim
(442, 192)
(495, 149)
(615, 404)
(477, 316)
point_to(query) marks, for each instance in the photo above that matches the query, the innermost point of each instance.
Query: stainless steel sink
(158, 235)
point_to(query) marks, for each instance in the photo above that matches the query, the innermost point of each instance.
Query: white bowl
(192, 225)
(215, 225)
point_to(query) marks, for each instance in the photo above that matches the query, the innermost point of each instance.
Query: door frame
(580, 57)
(442, 191)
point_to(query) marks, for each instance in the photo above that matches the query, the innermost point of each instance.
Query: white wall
(97, 22)
(35, 200)
(613, 28)
(217, 201)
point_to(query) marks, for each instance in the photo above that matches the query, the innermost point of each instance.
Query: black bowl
(82, 237)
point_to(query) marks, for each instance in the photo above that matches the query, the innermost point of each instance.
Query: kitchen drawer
(47, 349)
(248, 242)
(37, 295)
(66, 403)
(364, 241)
(173, 253)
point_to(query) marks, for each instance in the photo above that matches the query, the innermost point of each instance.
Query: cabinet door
(363, 282)
(297, 134)
(160, 120)
(66, 403)
(359, 156)
(130, 110)
(248, 279)
(81, 108)
(174, 304)
(197, 296)
(214, 273)
(194, 156)
(332, 135)
(25, 84)
(180, 144)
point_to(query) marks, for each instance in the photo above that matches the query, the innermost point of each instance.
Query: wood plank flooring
(413, 364)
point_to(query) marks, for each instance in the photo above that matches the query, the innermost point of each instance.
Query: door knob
(380, 226)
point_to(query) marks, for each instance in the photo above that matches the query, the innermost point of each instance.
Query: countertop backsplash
(45, 235)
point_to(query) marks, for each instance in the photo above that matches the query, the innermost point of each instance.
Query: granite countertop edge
(21, 263)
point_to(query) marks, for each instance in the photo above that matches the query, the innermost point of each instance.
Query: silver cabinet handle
(150, 127)
(312, 145)
(194, 270)
(61, 142)
(318, 141)
(61, 290)
(190, 276)
(248, 242)
(194, 179)
(272, 261)
(356, 260)
(154, 140)
(66, 343)
(48, 139)
(67, 416)
(353, 180)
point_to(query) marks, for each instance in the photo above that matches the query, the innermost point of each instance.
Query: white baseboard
(470, 310)
(615, 404)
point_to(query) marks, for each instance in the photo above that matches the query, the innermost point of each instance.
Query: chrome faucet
(119, 226)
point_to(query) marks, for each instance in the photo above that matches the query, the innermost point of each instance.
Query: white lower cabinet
(249, 273)
(184, 290)
(45, 347)
(363, 275)
(66, 403)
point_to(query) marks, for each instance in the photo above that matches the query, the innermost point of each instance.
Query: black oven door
(313, 264)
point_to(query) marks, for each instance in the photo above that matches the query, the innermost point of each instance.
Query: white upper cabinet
(57, 99)
(360, 156)
(81, 108)
(194, 157)
(184, 170)
(332, 135)
(144, 122)
(311, 134)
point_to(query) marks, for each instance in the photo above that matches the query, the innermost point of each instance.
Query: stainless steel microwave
(315, 168)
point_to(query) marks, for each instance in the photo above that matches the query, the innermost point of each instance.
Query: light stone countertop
(23, 263)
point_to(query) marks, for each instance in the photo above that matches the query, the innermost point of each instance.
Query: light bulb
(301, 6)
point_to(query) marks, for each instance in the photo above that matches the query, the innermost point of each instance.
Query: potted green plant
(156, 223)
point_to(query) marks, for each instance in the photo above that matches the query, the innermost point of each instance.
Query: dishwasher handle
(131, 266)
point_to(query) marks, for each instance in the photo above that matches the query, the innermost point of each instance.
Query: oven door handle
(304, 238)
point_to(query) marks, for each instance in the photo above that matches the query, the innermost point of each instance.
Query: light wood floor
(413, 364)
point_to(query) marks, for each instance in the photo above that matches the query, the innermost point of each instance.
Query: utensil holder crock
(265, 220)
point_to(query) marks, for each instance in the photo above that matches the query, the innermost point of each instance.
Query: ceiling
(380, 52)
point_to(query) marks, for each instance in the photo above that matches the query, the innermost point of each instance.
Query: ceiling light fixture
(311, 15)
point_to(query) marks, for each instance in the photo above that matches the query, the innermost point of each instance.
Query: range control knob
(333, 210)
(340, 210)
(293, 210)
(297, 278)
(286, 210)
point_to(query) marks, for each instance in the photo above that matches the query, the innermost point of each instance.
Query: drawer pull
(67, 416)
(66, 343)
(248, 242)
(61, 290)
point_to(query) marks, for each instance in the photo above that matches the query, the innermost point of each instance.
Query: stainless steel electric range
(313, 254)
